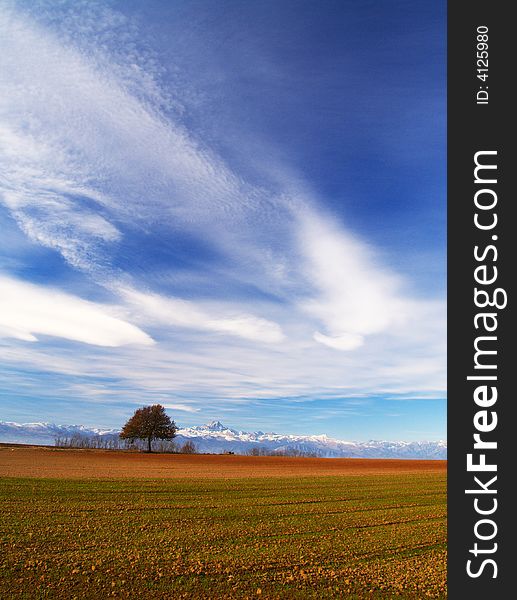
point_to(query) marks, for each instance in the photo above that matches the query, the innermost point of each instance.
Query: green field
(327, 537)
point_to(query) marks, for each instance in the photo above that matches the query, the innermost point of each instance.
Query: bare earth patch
(19, 461)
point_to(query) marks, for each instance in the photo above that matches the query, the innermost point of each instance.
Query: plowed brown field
(16, 461)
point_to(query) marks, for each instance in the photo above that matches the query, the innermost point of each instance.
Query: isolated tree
(149, 423)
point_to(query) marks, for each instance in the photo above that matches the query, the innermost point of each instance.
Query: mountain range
(216, 438)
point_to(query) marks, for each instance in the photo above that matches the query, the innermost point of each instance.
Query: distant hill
(216, 438)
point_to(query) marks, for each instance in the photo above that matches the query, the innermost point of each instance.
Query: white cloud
(182, 313)
(181, 407)
(27, 310)
(347, 341)
(354, 296)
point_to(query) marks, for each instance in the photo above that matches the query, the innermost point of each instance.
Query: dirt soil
(20, 461)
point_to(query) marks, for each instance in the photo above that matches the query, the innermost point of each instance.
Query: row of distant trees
(109, 442)
(104, 442)
(291, 452)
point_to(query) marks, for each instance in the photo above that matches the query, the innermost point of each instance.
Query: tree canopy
(149, 423)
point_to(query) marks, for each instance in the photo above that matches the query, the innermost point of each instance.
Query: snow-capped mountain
(215, 438)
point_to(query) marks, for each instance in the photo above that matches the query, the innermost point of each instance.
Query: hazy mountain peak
(215, 426)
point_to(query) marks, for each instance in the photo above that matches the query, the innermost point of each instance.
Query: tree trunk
(149, 444)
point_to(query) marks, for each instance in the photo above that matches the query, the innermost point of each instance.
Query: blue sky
(236, 209)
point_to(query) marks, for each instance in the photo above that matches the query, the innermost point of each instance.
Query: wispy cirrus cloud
(355, 295)
(182, 313)
(79, 145)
